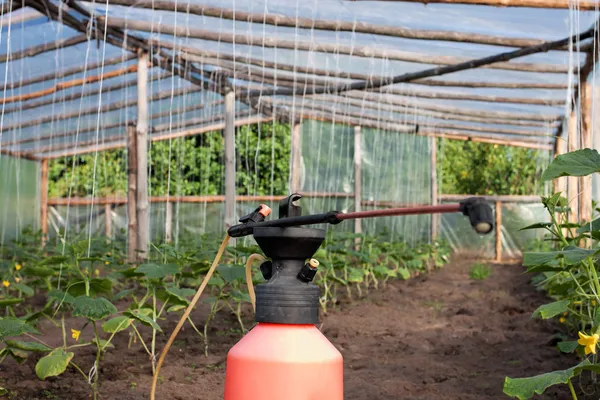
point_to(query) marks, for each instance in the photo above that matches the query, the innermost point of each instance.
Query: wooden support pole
(168, 221)
(44, 200)
(108, 220)
(43, 48)
(561, 184)
(357, 178)
(498, 231)
(585, 182)
(573, 181)
(142, 209)
(296, 158)
(132, 225)
(229, 133)
(434, 186)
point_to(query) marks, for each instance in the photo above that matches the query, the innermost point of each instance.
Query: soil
(439, 336)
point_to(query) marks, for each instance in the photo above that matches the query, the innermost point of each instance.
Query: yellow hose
(188, 310)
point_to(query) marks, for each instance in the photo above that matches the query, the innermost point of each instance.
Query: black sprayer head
(479, 213)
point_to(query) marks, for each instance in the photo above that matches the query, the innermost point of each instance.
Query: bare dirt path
(440, 336)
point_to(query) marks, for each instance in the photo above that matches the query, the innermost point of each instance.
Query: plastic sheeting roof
(42, 131)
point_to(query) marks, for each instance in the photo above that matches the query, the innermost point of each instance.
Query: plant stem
(572, 389)
(64, 333)
(153, 331)
(141, 340)
(97, 362)
(78, 369)
(195, 327)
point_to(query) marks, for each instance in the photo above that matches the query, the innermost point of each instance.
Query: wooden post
(132, 225)
(142, 206)
(573, 181)
(229, 159)
(168, 221)
(108, 221)
(44, 200)
(498, 231)
(585, 182)
(357, 180)
(296, 156)
(434, 186)
(560, 184)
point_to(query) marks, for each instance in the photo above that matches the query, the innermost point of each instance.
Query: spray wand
(476, 208)
(285, 345)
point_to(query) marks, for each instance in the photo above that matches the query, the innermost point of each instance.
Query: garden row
(90, 280)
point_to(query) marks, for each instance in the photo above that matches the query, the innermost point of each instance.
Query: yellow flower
(107, 262)
(589, 342)
(577, 303)
(17, 279)
(75, 334)
(562, 320)
(565, 314)
(6, 283)
(594, 303)
(97, 272)
(18, 267)
(463, 174)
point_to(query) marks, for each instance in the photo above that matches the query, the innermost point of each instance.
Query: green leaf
(176, 308)
(572, 255)
(157, 271)
(539, 225)
(18, 355)
(11, 326)
(94, 309)
(53, 364)
(26, 290)
(144, 319)
(355, 275)
(122, 294)
(526, 388)
(28, 346)
(41, 272)
(54, 260)
(552, 309)
(61, 296)
(590, 226)
(97, 286)
(231, 273)
(181, 294)
(404, 273)
(544, 268)
(10, 301)
(117, 324)
(575, 163)
(567, 347)
(240, 296)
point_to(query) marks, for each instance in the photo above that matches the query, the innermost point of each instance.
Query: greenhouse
(155, 153)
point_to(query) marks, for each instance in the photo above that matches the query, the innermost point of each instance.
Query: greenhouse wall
(19, 196)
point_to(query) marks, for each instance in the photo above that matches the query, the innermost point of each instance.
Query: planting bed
(440, 336)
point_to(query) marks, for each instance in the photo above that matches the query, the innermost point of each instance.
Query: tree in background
(183, 166)
(466, 167)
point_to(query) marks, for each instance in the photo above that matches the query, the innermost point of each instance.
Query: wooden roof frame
(183, 65)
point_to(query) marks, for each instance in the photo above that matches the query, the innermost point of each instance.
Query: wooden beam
(142, 206)
(230, 184)
(83, 94)
(582, 5)
(68, 84)
(108, 221)
(95, 109)
(132, 225)
(44, 199)
(43, 48)
(10, 6)
(357, 179)
(434, 185)
(94, 127)
(9, 19)
(498, 231)
(328, 48)
(428, 124)
(296, 157)
(187, 51)
(280, 20)
(164, 136)
(70, 71)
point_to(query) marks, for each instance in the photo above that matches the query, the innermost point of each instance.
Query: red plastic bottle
(284, 362)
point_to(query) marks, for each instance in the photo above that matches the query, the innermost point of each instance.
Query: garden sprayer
(285, 356)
